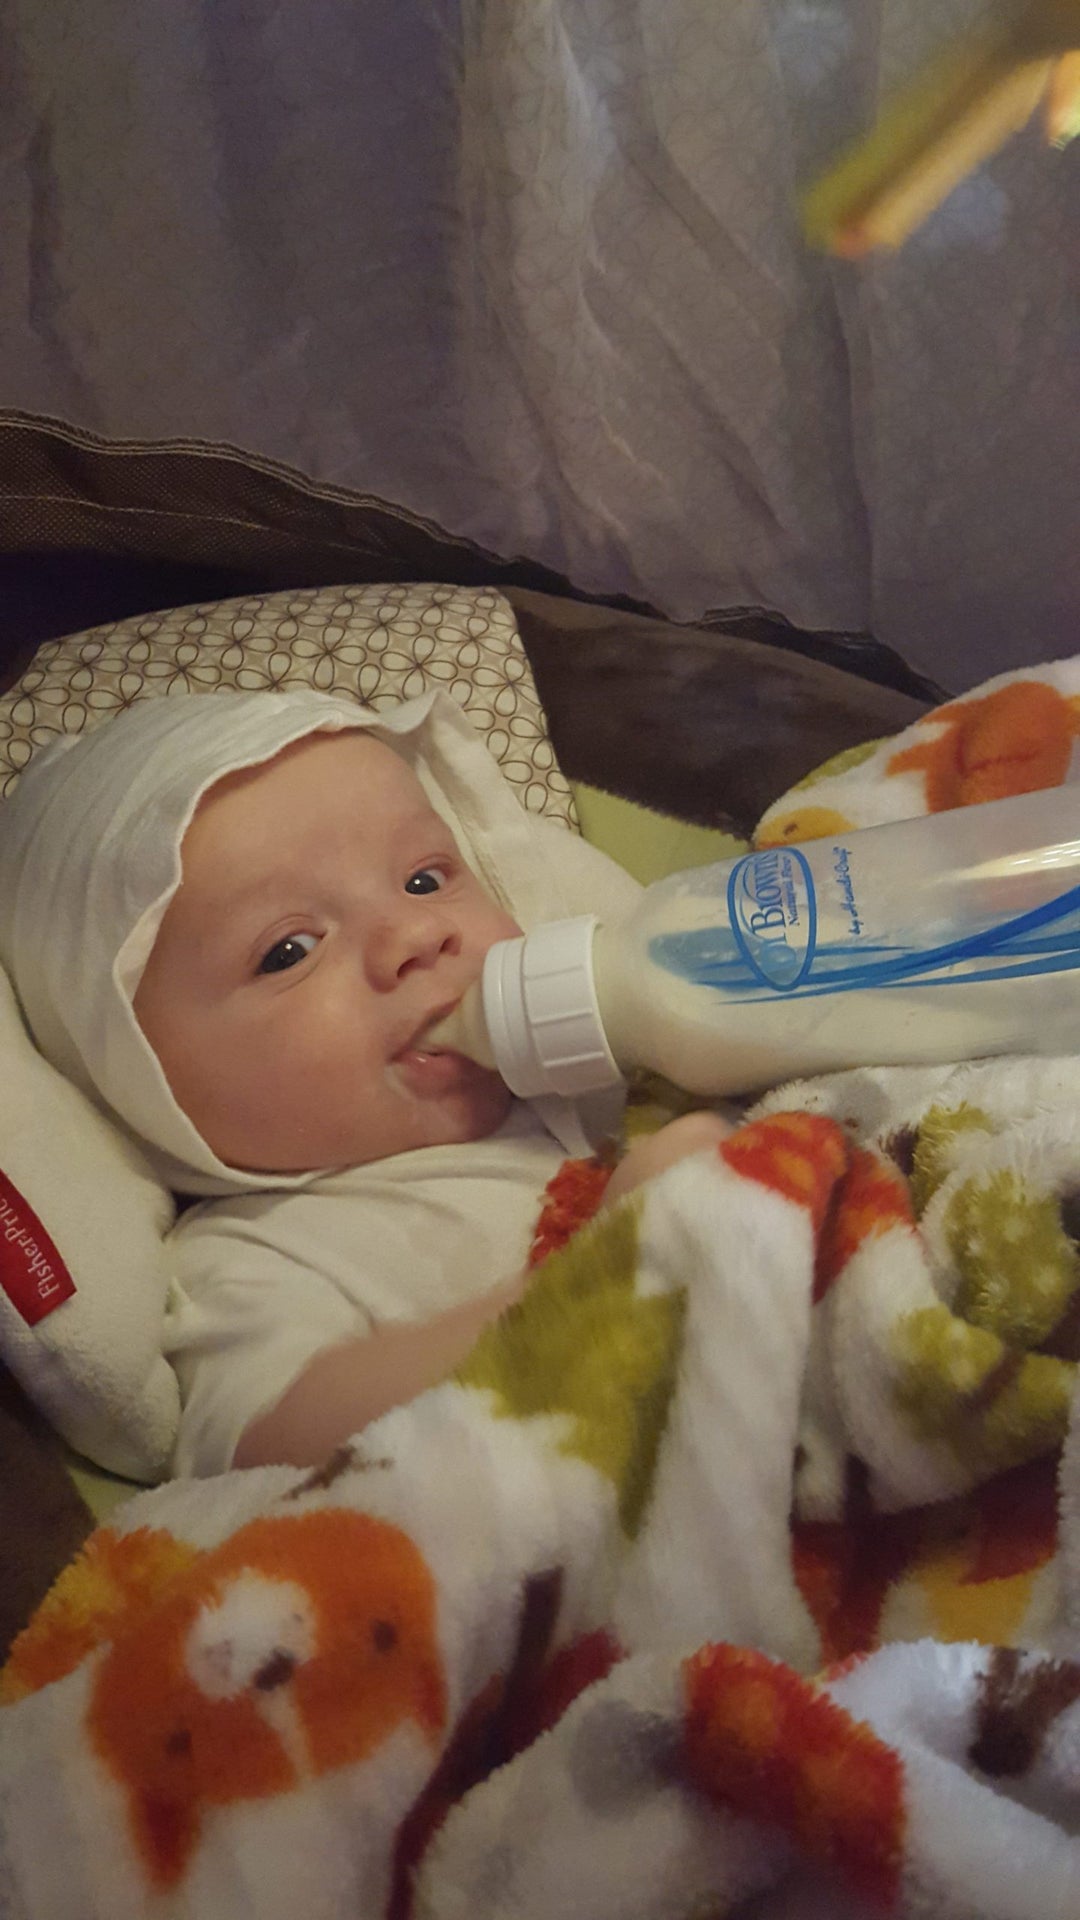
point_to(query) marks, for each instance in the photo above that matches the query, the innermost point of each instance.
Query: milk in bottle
(942, 938)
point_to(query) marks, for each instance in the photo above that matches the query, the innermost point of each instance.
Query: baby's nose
(416, 936)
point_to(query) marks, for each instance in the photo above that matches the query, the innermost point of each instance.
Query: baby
(233, 921)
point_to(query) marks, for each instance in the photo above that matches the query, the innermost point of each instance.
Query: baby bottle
(937, 939)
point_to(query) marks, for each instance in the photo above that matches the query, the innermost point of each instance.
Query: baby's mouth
(423, 1044)
(429, 1075)
(461, 1029)
(429, 1067)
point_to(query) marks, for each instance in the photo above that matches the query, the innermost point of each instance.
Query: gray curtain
(531, 269)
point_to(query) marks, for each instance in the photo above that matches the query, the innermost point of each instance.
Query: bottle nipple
(533, 1018)
(465, 1030)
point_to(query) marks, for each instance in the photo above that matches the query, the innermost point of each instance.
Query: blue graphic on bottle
(771, 941)
(773, 915)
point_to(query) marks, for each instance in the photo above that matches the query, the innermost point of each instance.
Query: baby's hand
(692, 1133)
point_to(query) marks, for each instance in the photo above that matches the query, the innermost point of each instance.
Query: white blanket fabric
(347, 1692)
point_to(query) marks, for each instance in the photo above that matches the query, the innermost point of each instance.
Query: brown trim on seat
(131, 526)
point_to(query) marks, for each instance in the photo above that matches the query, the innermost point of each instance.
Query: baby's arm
(692, 1133)
(346, 1387)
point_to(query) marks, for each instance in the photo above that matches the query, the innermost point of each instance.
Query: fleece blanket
(736, 1572)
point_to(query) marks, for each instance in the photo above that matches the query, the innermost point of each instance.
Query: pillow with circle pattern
(381, 643)
(82, 1265)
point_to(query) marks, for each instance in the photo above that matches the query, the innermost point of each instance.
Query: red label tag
(32, 1273)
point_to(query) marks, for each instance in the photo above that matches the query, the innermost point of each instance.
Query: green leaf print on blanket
(970, 1373)
(993, 1406)
(1020, 1268)
(939, 1131)
(584, 1343)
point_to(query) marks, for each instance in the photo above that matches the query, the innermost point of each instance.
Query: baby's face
(324, 920)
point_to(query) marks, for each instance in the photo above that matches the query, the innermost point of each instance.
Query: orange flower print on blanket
(873, 1198)
(798, 1155)
(1015, 740)
(764, 1742)
(850, 1192)
(299, 1645)
(572, 1196)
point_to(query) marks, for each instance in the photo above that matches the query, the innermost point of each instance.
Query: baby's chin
(477, 1113)
(449, 1097)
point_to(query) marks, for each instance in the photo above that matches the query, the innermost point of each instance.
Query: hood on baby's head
(90, 857)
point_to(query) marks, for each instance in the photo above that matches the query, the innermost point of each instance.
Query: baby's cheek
(493, 1105)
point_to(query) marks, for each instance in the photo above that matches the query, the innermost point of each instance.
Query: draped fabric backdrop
(531, 269)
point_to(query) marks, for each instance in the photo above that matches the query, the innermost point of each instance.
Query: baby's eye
(288, 953)
(426, 880)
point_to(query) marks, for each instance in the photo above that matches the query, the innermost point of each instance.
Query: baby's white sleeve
(243, 1321)
(263, 1282)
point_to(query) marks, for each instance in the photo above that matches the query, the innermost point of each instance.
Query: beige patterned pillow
(381, 643)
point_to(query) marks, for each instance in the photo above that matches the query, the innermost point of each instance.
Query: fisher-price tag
(32, 1273)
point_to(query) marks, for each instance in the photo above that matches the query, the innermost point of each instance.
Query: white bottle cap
(542, 1014)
